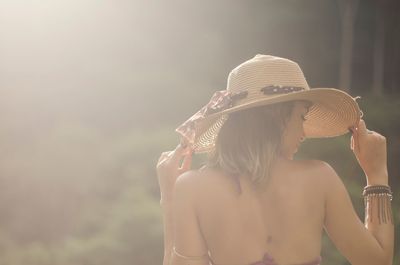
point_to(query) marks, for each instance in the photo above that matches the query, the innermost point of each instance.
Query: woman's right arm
(370, 243)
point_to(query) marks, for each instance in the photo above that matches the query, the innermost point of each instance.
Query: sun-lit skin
(302, 199)
(294, 130)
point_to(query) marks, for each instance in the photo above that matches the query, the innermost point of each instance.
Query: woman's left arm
(190, 247)
(180, 221)
(168, 222)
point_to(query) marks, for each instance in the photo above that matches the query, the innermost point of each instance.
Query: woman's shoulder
(203, 180)
(317, 166)
(200, 176)
(308, 171)
(316, 171)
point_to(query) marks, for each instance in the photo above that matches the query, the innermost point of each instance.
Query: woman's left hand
(170, 167)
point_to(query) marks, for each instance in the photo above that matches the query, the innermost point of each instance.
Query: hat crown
(265, 70)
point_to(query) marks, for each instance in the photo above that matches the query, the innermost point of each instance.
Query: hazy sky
(106, 62)
(65, 57)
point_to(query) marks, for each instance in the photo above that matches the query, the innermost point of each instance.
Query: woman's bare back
(285, 221)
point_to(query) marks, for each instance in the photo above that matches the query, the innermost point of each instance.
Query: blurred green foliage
(102, 203)
(90, 92)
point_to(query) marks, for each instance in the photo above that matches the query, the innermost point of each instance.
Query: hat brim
(332, 113)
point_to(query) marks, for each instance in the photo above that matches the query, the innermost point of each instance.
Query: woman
(252, 203)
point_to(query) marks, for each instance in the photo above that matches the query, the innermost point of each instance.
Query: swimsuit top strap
(202, 258)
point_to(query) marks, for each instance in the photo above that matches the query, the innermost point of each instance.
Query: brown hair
(249, 141)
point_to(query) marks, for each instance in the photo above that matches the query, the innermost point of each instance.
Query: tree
(379, 48)
(348, 10)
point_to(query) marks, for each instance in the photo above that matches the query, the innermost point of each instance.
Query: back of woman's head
(249, 141)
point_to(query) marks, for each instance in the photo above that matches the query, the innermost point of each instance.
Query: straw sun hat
(265, 80)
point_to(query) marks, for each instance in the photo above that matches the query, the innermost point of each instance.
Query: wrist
(378, 179)
(166, 203)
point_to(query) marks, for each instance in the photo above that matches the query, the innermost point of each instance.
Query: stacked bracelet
(379, 197)
(378, 189)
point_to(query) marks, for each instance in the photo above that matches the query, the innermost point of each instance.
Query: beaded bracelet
(377, 196)
(378, 189)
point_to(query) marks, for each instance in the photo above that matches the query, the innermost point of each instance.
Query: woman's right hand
(369, 148)
(170, 166)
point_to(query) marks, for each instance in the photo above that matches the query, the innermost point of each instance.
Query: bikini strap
(204, 257)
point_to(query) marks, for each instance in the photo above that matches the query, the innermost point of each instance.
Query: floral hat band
(222, 100)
